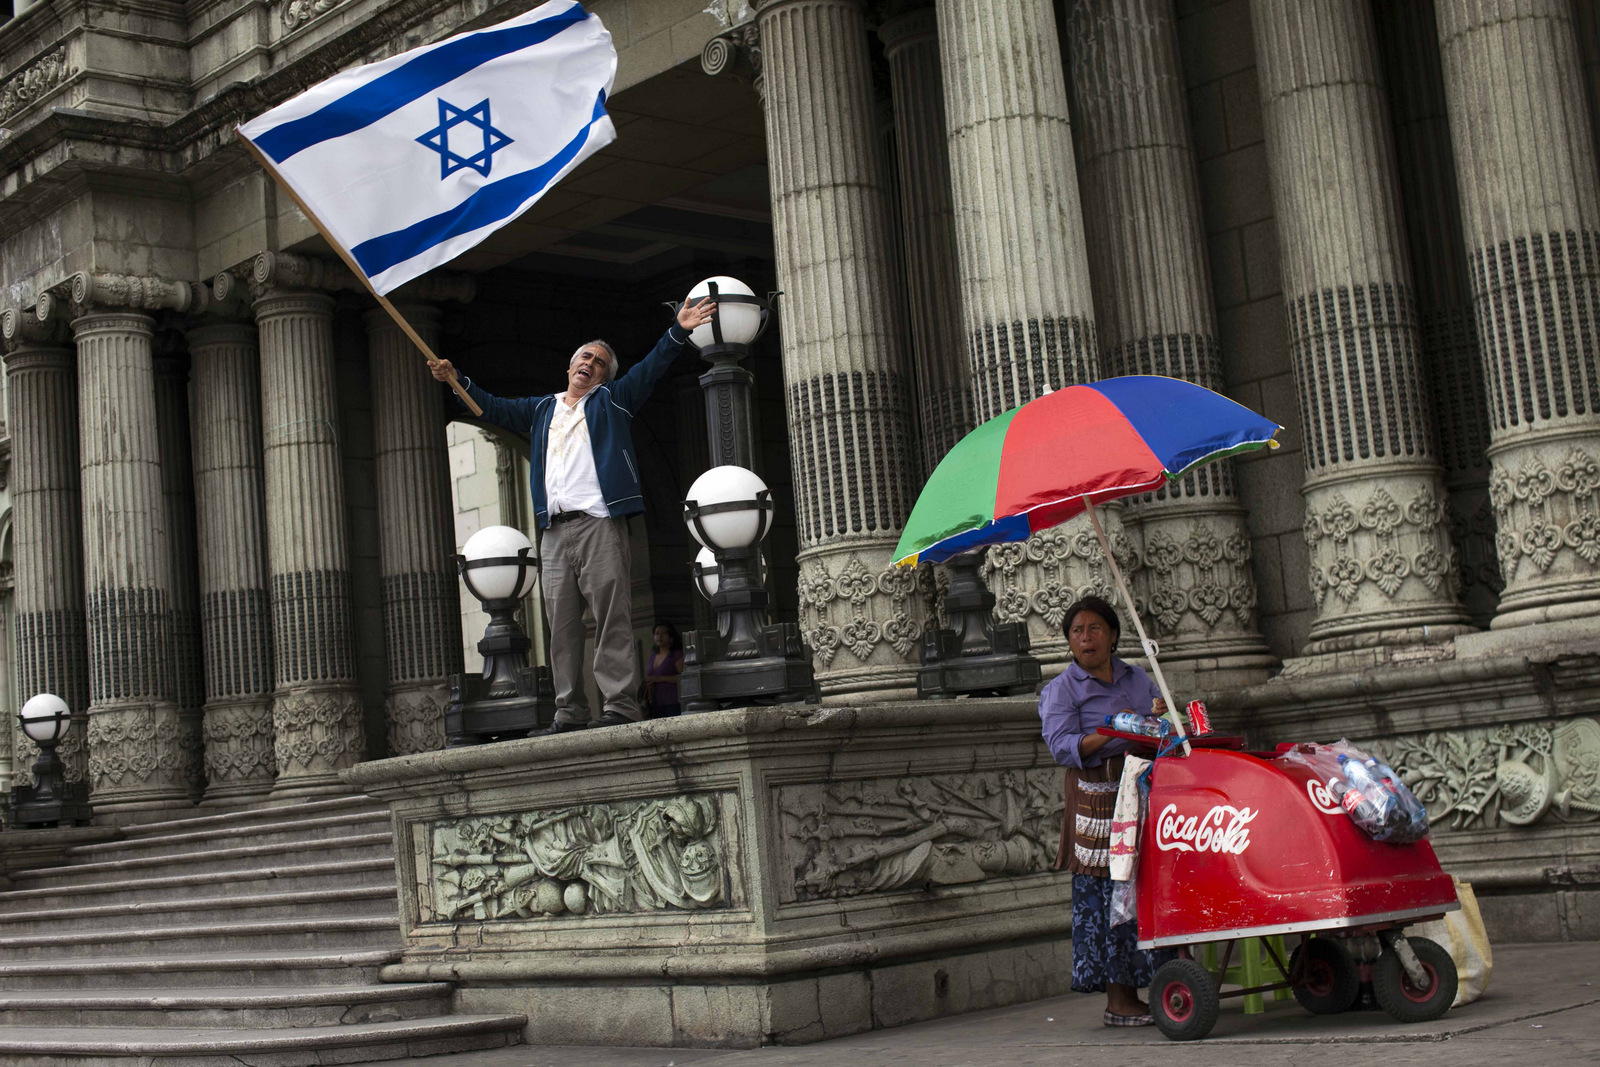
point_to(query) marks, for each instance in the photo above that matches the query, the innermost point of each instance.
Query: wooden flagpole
(350, 262)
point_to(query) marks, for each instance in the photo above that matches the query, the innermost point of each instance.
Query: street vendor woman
(1075, 703)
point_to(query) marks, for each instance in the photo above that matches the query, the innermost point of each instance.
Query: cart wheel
(1332, 980)
(1183, 1000)
(1406, 1002)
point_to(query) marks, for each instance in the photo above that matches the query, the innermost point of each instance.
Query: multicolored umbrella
(1058, 456)
(1041, 464)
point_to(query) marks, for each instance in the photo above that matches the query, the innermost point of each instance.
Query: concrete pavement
(1542, 1008)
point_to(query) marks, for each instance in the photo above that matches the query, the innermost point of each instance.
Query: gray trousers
(588, 559)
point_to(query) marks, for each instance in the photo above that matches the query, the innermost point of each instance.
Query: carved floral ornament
(1531, 504)
(296, 12)
(1206, 574)
(836, 609)
(318, 732)
(1512, 775)
(127, 747)
(1381, 558)
(846, 839)
(587, 859)
(1054, 552)
(34, 81)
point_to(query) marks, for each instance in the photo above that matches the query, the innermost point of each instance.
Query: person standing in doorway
(585, 483)
(662, 671)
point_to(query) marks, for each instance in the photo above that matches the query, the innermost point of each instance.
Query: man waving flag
(405, 164)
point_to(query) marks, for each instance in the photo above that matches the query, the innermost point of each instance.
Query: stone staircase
(252, 938)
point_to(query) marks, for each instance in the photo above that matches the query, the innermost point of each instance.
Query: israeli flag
(409, 162)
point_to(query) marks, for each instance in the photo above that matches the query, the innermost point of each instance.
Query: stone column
(421, 605)
(1382, 565)
(1026, 306)
(177, 490)
(1530, 208)
(1154, 311)
(316, 706)
(136, 737)
(236, 617)
(51, 652)
(848, 392)
(1409, 45)
(927, 226)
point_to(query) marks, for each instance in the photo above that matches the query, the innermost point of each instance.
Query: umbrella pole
(1148, 645)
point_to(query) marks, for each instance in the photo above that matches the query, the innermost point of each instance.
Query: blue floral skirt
(1101, 952)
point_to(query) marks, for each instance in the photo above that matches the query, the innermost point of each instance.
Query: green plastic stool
(1249, 966)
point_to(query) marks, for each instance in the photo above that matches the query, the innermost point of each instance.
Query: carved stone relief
(1036, 580)
(847, 839)
(1377, 541)
(416, 721)
(297, 12)
(1195, 583)
(1511, 775)
(128, 745)
(1542, 513)
(676, 853)
(34, 81)
(857, 609)
(317, 733)
(239, 743)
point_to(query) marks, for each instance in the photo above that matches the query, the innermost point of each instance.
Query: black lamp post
(747, 658)
(510, 699)
(975, 655)
(51, 800)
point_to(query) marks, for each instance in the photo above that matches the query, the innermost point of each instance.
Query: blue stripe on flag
(488, 205)
(384, 95)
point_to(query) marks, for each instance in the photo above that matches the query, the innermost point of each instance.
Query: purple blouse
(1076, 703)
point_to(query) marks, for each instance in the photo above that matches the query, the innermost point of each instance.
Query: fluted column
(135, 735)
(1409, 43)
(421, 606)
(177, 490)
(848, 391)
(927, 225)
(236, 617)
(316, 709)
(1530, 208)
(51, 652)
(1155, 315)
(1026, 306)
(1382, 563)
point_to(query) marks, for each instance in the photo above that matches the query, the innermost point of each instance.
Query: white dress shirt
(570, 481)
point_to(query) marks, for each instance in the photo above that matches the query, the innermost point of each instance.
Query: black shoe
(613, 718)
(558, 727)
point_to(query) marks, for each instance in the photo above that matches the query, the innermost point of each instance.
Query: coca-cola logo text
(1223, 829)
(1322, 797)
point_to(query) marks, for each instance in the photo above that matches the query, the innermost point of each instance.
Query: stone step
(46, 1046)
(187, 911)
(251, 1008)
(209, 969)
(191, 841)
(239, 858)
(364, 931)
(290, 878)
(252, 816)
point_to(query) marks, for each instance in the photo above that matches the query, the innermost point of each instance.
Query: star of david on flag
(476, 116)
(402, 164)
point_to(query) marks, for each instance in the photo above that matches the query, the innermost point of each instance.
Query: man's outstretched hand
(690, 316)
(442, 370)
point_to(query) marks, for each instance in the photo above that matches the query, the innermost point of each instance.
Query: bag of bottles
(1369, 790)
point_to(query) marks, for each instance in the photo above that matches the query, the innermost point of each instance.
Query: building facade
(1374, 221)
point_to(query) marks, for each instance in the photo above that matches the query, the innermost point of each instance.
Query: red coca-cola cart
(1243, 844)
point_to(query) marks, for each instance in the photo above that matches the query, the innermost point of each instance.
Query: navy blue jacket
(610, 411)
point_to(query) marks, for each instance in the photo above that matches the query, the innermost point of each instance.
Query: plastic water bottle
(1131, 722)
(1414, 820)
(1369, 802)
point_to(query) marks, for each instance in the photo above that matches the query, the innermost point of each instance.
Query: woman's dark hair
(675, 643)
(1097, 605)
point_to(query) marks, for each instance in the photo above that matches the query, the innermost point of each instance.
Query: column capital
(905, 21)
(736, 53)
(118, 291)
(37, 327)
(281, 270)
(230, 296)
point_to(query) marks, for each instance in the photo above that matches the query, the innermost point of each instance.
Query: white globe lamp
(740, 316)
(728, 507)
(496, 563)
